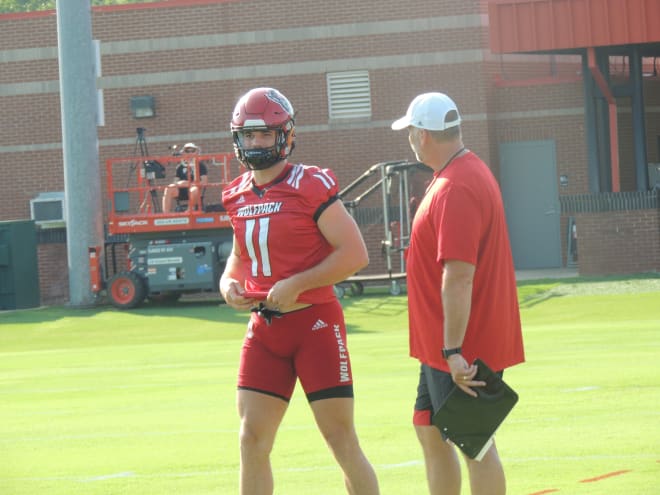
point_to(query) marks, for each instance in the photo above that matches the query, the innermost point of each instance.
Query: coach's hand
(463, 374)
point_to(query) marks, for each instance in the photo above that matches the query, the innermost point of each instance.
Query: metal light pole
(84, 214)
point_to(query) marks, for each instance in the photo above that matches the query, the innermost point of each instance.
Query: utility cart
(396, 219)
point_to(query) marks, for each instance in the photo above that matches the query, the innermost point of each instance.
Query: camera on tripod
(151, 169)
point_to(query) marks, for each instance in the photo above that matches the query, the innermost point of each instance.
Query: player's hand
(463, 374)
(283, 294)
(233, 294)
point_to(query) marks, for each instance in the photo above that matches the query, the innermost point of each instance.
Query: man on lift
(182, 189)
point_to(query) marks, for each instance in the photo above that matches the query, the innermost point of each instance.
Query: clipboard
(469, 422)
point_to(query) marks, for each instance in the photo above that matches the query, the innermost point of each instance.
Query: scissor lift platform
(166, 254)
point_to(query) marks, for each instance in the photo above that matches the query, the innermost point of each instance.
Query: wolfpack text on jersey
(260, 209)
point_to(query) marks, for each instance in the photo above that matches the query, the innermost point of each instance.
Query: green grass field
(142, 402)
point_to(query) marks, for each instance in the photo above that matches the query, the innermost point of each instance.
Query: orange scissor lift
(157, 255)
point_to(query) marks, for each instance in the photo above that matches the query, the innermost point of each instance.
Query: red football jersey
(275, 225)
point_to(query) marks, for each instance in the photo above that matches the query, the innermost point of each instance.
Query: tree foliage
(7, 6)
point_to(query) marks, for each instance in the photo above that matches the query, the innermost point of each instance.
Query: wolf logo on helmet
(258, 110)
(280, 99)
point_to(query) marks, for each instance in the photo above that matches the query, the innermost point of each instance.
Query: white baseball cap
(429, 111)
(190, 146)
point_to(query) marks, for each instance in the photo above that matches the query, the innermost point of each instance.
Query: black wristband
(448, 352)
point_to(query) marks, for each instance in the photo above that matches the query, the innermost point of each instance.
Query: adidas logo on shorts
(319, 325)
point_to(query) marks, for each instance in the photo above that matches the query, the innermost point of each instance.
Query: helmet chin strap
(263, 166)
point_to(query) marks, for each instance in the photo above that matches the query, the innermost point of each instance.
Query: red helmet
(257, 110)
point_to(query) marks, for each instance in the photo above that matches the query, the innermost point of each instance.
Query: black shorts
(433, 387)
(183, 194)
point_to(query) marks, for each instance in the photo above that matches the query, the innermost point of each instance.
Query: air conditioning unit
(48, 210)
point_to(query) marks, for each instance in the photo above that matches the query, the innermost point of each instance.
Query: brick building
(195, 58)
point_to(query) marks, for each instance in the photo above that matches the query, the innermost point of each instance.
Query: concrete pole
(82, 186)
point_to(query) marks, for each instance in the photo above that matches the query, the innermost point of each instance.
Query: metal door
(528, 176)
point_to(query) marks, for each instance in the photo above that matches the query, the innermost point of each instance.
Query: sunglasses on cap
(190, 150)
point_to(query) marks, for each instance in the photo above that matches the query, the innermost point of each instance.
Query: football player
(293, 240)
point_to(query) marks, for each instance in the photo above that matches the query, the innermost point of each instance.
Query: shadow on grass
(206, 310)
(210, 310)
(588, 279)
(374, 311)
(374, 303)
(537, 297)
(534, 292)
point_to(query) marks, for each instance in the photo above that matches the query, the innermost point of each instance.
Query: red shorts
(309, 344)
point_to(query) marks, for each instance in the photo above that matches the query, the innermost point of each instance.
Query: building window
(349, 95)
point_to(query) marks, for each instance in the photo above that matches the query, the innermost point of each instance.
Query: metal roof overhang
(590, 28)
(571, 26)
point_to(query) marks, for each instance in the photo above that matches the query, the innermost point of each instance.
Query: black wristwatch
(448, 352)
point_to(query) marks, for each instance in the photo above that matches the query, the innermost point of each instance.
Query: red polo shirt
(461, 217)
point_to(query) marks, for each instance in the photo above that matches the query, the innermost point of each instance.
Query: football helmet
(258, 110)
